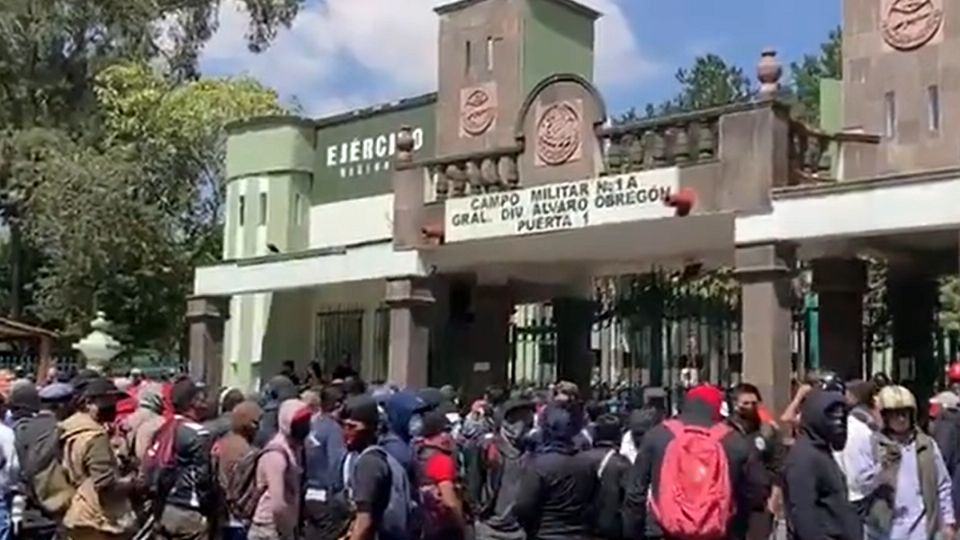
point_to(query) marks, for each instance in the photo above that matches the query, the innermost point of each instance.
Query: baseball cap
(56, 392)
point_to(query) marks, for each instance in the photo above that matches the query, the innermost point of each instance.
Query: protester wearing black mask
(101, 504)
(814, 487)
(494, 467)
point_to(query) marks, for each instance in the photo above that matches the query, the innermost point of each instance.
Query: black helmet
(831, 382)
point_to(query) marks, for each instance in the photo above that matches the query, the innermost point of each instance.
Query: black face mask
(836, 424)
(106, 413)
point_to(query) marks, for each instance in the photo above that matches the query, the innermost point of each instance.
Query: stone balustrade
(813, 153)
(486, 172)
(662, 142)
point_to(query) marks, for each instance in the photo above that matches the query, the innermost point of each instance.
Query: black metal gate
(339, 336)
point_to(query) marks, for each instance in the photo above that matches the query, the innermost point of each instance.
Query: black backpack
(241, 494)
(39, 447)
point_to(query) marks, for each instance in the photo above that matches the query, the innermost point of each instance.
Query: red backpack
(694, 500)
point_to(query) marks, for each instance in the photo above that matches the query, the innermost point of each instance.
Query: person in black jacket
(946, 431)
(814, 488)
(557, 486)
(495, 464)
(189, 505)
(701, 407)
(610, 468)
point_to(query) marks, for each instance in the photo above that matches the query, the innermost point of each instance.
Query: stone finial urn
(769, 72)
(405, 143)
(98, 347)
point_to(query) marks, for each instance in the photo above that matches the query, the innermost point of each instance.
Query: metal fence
(339, 334)
(647, 333)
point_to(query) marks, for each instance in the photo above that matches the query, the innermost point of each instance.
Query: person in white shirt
(858, 459)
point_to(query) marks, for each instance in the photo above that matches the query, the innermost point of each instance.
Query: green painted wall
(557, 39)
(355, 158)
(831, 105)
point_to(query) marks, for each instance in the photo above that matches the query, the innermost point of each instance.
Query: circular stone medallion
(909, 24)
(477, 112)
(558, 133)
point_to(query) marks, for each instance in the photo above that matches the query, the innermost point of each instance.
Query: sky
(343, 54)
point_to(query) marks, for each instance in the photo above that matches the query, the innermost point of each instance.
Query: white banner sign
(562, 206)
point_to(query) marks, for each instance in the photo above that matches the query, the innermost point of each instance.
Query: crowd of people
(103, 458)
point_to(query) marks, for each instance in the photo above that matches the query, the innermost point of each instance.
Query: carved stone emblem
(910, 24)
(478, 109)
(559, 133)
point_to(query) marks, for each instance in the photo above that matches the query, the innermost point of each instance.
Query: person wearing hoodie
(139, 428)
(494, 468)
(701, 408)
(814, 489)
(556, 488)
(278, 390)
(100, 508)
(230, 450)
(438, 480)
(610, 469)
(946, 431)
(404, 420)
(639, 422)
(279, 471)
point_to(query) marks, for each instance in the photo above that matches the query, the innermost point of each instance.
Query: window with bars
(339, 336)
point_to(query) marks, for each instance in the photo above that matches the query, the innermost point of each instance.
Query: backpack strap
(675, 427)
(603, 464)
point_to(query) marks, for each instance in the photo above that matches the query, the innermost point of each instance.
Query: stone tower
(492, 53)
(901, 79)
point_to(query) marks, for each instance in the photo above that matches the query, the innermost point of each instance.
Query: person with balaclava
(912, 498)
(438, 480)
(404, 421)
(230, 450)
(814, 489)
(700, 413)
(556, 487)
(279, 471)
(763, 439)
(277, 390)
(494, 468)
(611, 470)
(639, 422)
(376, 484)
(100, 508)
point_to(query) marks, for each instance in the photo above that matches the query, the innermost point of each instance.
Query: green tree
(123, 224)
(709, 82)
(805, 76)
(51, 52)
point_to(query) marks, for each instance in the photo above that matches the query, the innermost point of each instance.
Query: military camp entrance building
(426, 222)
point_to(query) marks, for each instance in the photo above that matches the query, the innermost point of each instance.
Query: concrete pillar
(410, 301)
(840, 284)
(489, 339)
(912, 296)
(574, 319)
(765, 272)
(206, 316)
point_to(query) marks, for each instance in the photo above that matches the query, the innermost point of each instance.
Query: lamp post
(98, 347)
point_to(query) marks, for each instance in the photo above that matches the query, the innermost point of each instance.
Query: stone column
(840, 284)
(574, 319)
(765, 272)
(410, 301)
(206, 316)
(912, 296)
(489, 341)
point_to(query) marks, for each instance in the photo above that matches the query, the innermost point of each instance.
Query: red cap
(709, 394)
(953, 372)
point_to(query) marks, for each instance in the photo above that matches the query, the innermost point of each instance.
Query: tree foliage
(123, 224)
(805, 76)
(110, 170)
